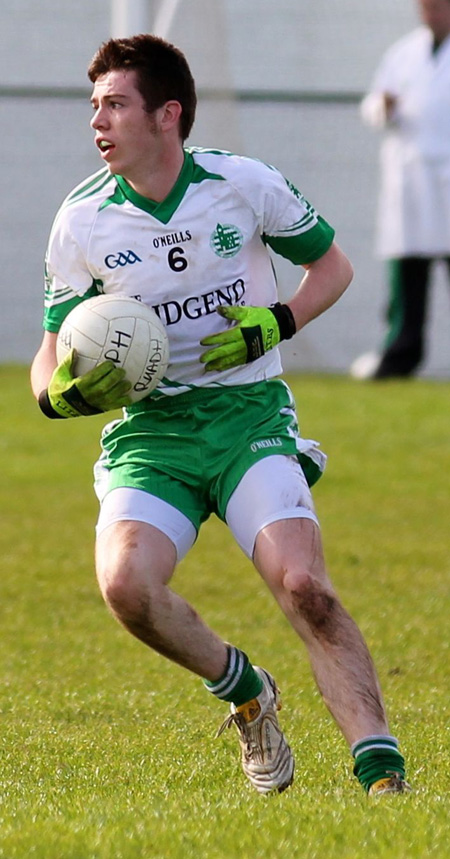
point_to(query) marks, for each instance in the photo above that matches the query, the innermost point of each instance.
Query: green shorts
(191, 450)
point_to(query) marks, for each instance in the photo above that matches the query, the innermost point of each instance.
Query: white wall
(290, 45)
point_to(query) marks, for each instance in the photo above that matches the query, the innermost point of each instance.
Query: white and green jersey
(206, 245)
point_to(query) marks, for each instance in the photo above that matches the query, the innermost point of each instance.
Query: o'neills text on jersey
(172, 239)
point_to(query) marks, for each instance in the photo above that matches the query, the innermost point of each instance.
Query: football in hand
(118, 329)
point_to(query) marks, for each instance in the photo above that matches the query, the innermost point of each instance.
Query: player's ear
(170, 115)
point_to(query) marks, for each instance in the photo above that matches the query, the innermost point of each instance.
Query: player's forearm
(43, 365)
(323, 284)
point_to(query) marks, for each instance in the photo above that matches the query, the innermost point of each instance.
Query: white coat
(413, 215)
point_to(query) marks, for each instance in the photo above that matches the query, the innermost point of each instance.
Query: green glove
(99, 390)
(258, 329)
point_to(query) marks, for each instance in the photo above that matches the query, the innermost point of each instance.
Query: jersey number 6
(176, 259)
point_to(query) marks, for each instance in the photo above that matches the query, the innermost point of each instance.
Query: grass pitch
(108, 751)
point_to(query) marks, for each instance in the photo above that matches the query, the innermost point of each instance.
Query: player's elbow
(347, 272)
(342, 267)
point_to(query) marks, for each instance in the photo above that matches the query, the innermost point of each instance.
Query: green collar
(163, 211)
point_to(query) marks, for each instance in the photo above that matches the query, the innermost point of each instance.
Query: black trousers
(404, 348)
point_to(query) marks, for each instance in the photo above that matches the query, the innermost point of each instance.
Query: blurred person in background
(410, 100)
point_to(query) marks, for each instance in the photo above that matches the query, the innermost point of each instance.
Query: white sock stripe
(216, 687)
(232, 681)
(232, 676)
(373, 742)
(375, 746)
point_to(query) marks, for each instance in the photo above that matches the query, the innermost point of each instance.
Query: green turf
(108, 751)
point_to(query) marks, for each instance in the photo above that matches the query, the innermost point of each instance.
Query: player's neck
(158, 178)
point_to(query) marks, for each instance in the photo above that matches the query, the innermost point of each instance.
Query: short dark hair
(162, 72)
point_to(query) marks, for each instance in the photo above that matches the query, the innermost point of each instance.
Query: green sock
(377, 757)
(239, 683)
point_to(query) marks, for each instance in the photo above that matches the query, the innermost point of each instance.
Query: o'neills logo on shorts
(265, 442)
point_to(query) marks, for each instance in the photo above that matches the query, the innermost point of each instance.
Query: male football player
(189, 232)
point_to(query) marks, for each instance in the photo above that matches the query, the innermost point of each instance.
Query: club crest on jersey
(226, 240)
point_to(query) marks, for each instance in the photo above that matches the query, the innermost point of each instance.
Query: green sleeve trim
(55, 315)
(305, 247)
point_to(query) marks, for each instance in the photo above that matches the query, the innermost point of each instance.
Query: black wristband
(285, 318)
(76, 403)
(46, 407)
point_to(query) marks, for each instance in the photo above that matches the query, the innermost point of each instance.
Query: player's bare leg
(289, 556)
(134, 565)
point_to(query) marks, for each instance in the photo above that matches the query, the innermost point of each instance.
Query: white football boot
(266, 758)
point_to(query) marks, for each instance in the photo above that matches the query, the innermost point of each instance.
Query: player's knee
(117, 591)
(315, 603)
(131, 604)
(119, 587)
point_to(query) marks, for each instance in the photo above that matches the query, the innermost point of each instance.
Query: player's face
(126, 135)
(436, 15)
